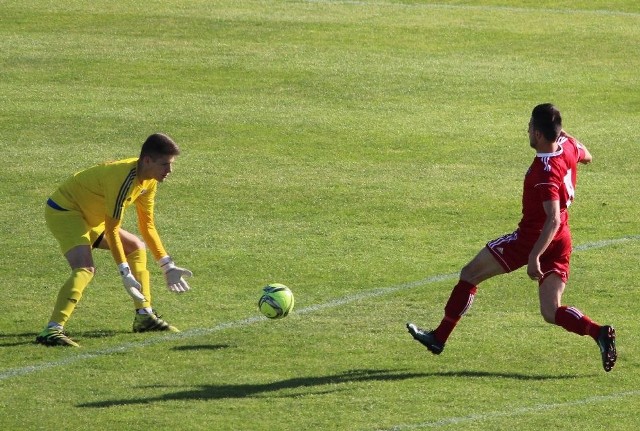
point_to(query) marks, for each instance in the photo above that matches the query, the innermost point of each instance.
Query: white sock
(146, 310)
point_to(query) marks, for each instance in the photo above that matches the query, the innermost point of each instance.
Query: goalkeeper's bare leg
(82, 269)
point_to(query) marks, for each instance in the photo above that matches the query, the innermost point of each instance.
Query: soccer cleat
(55, 337)
(151, 322)
(426, 338)
(607, 344)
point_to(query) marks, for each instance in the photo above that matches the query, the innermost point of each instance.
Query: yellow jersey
(103, 192)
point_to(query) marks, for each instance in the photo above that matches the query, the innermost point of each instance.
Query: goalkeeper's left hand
(174, 275)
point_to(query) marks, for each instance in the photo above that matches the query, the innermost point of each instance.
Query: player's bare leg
(81, 263)
(550, 294)
(480, 268)
(573, 320)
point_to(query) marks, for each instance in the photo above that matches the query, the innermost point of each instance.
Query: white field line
(480, 8)
(514, 412)
(197, 332)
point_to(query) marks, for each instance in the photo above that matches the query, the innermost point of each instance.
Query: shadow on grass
(216, 392)
(514, 376)
(99, 333)
(13, 340)
(202, 347)
(26, 338)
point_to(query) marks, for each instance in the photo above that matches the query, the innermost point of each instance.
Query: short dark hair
(547, 120)
(159, 144)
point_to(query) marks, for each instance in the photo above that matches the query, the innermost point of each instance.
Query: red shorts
(512, 252)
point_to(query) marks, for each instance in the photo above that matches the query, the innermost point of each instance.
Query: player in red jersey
(542, 241)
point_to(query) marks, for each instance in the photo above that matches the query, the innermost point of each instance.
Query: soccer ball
(276, 301)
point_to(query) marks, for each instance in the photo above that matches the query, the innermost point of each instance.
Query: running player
(86, 212)
(542, 241)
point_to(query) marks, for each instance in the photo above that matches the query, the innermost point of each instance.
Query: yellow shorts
(70, 228)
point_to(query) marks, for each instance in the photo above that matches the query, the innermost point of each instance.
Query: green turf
(359, 152)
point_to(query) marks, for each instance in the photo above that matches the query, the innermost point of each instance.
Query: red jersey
(551, 176)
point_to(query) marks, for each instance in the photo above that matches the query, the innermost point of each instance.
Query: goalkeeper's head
(156, 157)
(158, 145)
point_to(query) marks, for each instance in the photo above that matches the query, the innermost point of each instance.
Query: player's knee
(133, 244)
(469, 273)
(481, 268)
(140, 245)
(548, 314)
(89, 271)
(137, 243)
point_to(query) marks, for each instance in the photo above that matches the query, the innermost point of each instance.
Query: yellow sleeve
(112, 235)
(146, 223)
(116, 193)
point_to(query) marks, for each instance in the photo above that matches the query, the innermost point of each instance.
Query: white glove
(130, 283)
(174, 275)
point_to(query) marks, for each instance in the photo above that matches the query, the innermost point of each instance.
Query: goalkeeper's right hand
(130, 283)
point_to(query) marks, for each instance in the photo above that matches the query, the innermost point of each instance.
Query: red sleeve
(548, 184)
(548, 192)
(576, 146)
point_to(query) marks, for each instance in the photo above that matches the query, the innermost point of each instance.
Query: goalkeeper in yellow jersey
(86, 211)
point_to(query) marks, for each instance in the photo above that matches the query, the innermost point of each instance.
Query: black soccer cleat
(55, 337)
(151, 322)
(607, 344)
(426, 338)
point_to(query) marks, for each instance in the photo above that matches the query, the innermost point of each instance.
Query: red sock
(572, 319)
(459, 303)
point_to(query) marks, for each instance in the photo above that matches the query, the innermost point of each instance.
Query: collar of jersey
(555, 153)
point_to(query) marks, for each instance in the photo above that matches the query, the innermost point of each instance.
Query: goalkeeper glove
(130, 283)
(174, 275)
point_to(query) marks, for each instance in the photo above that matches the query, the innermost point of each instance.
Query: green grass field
(359, 152)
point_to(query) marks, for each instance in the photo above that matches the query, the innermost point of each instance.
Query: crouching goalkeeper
(86, 212)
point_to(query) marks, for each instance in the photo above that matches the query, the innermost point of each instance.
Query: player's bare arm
(587, 156)
(551, 225)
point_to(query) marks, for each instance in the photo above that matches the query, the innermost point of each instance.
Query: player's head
(156, 157)
(158, 145)
(547, 121)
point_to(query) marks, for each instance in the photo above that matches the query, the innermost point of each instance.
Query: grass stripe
(488, 8)
(197, 332)
(514, 412)
(606, 243)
